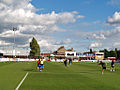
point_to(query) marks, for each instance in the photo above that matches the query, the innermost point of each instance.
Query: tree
(91, 51)
(116, 53)
(112, 53)
(107, 53)
(35, 48)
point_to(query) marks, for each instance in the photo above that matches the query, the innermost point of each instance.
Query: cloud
(111, 33)
(79, 16)
(96, 22)
(47, 46)
(116, 44)
(108, 39)
(3, 43)
(104, 34)
(95, 45)
(97, 36)
(22, 14)
(15, 4)
(114, 2)
(115, 19)
(67, 41)
(25, 15)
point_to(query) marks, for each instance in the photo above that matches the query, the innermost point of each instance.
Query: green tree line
(111, 53)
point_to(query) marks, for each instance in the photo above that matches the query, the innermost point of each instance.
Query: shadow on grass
(28, 69)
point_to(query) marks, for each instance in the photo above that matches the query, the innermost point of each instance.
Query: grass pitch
(55, 76)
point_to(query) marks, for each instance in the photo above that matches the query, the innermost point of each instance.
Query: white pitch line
(21, 81)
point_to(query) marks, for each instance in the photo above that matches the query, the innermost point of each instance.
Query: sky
(78, 24)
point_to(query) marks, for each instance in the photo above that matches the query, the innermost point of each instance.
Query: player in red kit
(38, 65)
(103, 66)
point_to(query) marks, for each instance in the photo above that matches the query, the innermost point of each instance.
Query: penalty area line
(21, 81)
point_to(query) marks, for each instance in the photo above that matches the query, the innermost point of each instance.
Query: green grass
(55, 76)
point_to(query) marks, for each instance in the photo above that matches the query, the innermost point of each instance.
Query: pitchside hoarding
(70, 54)
(85, 54)
(74, 54)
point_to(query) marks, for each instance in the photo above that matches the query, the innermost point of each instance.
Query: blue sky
(95, 11)
(81, 24)
(92, 9)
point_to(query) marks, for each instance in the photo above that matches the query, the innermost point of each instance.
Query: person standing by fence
(65, 62)
(112, 65)
(70, 61)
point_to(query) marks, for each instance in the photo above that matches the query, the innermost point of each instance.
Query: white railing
(16, 59)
